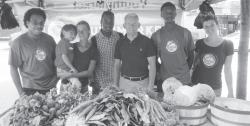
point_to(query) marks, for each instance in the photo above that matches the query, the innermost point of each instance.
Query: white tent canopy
(60, 12)
(114, 4)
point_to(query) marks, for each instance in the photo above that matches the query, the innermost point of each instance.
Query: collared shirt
(105, 63)
(35, 60)
(173, 44)
(66, 48)
(134, 54)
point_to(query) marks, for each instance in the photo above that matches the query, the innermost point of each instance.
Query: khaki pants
(73, 81)
(132, 86)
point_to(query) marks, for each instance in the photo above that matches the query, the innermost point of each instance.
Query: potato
(45, 108)
(52, 111)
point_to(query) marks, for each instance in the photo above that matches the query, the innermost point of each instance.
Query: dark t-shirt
(209, 62)
(173, 46)
(65, 48)
(133, 55)
(82, 60)
(35, 60)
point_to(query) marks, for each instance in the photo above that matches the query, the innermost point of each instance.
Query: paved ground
(8, 93)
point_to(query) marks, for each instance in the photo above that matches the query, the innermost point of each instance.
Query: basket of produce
(191, 103)
(193, 115)
(121, 109)
(230, 112)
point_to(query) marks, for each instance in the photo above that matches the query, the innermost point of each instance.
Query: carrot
(117, 118)
(100, 117)
(91, 113)
(139, 109)
(124, 114)
(81, 106)
(159, 107)
(147, 106)
(154, 116)
(85, 111)
(143, 109)
(96, 122)
(113, 123)
(45, 113)
(157, 113)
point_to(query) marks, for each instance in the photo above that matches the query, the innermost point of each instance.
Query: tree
(243, 50)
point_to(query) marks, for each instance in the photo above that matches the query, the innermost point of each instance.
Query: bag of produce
(204, 92)
(185, 96)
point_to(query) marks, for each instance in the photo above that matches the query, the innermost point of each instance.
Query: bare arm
(87, 73)
(189, 49)
(156, 38)
(67, 62)
(117, 72)
(152, 71)
(190, 58)
(16, 79)
(228, 75)
(194, 64)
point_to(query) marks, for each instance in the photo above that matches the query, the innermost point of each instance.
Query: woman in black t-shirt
(211, 54)
(85, 56)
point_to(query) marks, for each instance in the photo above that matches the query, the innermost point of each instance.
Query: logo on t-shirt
(140, 49)
(209, 60)
(40, 54)
(171, 46)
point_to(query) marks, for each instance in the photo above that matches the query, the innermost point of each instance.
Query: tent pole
(243, 50)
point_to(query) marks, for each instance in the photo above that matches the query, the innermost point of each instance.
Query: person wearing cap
(175, 47)
(134, 58)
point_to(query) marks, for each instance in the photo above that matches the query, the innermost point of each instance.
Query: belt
(135, 78)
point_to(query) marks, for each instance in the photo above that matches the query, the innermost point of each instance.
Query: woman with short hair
(211, 54)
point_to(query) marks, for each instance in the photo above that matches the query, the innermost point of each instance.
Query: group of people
(129, 61)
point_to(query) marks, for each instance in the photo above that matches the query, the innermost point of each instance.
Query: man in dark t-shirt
(175, 47)
(32, 55)
(133, 54)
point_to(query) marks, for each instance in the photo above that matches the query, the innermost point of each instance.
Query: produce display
(111, 107)
(115, 108)
(183, 95)
(169, 86)
(204, 93)
(45, 110)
